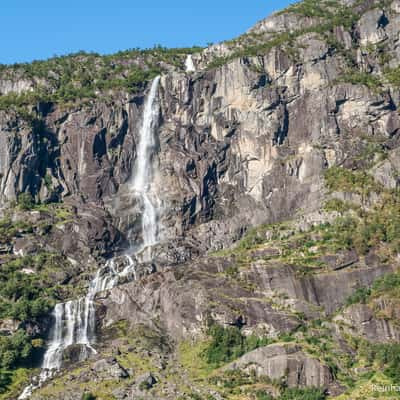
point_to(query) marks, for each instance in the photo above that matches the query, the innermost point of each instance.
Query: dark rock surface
(241, 142)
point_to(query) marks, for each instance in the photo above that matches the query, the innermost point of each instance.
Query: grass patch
(303, 394)
(191, 357)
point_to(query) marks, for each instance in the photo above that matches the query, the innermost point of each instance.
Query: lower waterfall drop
(74, 321)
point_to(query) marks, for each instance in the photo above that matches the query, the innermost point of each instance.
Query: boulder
(109, 368)
(285, 362)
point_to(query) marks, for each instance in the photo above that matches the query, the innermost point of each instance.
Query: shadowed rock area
(276, 167)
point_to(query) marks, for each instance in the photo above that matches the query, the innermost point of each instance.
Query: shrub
(344, 180)
(361, 295)
(262, 395)
(387, 283)
(387, 356)
(29, 296)
(5, 380)
(393, 76)
(14, 349)
(88, 396)
(228, 343)
(25, 201)
(361, 78)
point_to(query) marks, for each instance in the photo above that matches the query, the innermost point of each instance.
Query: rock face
(239, 145)
(182, 301)
(285, 362)
(243, 140)
(361, 320)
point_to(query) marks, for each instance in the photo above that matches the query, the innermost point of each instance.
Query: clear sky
(38, 29)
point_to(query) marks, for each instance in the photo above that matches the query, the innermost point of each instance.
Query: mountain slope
(278, 169)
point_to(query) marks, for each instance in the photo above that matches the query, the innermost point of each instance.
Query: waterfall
(189, 64)
(74, 321)
(142, 177)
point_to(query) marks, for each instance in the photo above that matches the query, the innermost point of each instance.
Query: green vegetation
(383, 357)
(387, 356)
(361, 78)
(12, 383)
(228, 343)
(381, 223)
(303, 394)
(27, 292)
(328, 15)
(86, 75)
(393, 76)
(344, 180)
(27, 289)
(331, 14)
(262, 395)
(10, 229)
(88, 396)
(14, 349)
(362, 226)
(340, 206)
(25, 201)
(361, 295)
(145, 385)
(388, 285)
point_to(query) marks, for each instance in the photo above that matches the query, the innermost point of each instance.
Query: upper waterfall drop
(189, 64)
(142, 172)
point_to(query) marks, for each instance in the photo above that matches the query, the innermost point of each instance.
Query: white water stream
(74, 321)
(189, 64)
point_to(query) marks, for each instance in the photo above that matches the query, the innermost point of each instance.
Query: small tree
(25, 201)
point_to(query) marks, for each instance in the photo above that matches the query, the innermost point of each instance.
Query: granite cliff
(277, 173)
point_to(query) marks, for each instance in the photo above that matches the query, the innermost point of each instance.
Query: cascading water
(142, 177)
(74, 321)
(189, 64)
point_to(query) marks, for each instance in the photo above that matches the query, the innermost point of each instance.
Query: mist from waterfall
(74, 321)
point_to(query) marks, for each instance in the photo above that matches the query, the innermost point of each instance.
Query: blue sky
(40, 29)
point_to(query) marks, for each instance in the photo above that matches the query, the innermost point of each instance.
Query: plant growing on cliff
(88, 396)
(228, 343)
(393, 76)
(14, 349)
(385, 356)
(361, 78)
(361, 295)
(25, 201)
